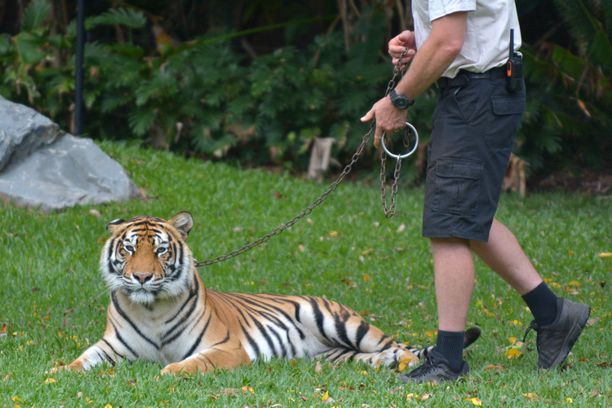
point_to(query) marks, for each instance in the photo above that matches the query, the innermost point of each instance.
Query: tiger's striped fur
(161, 311)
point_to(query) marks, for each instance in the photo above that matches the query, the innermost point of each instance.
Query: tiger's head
(147, 257)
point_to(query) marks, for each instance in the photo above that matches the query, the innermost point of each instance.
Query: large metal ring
(402, 156)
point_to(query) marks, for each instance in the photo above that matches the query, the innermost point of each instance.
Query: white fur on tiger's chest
(157, 333)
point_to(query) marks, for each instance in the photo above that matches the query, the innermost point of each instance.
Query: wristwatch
(400, 101)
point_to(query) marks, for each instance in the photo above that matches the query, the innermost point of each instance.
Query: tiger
(161, 311)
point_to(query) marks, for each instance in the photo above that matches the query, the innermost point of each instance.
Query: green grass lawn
(53, 298)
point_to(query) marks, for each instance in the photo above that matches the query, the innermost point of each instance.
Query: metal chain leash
(389, 210)
(397, 73)
(306, 211)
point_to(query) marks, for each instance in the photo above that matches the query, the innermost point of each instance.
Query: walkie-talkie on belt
(514, 67)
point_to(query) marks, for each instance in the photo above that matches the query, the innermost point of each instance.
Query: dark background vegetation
(256, 81)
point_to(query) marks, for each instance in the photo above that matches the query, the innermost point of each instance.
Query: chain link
(397, 74)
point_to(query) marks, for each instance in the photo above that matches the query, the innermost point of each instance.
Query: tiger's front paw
(56, 370)
(172, 368)
(59, 367)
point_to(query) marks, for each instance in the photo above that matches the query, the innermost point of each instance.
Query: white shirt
(487, 36)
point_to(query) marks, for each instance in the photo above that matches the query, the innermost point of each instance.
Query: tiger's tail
(396, 354)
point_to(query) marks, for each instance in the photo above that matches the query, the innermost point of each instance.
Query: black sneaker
(555, 340)
(435, 369)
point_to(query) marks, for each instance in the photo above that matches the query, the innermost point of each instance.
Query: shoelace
(532, 326)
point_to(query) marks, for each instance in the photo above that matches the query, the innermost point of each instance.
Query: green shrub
(204, 98)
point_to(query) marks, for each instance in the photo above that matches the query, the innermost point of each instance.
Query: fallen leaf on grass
(497, 367)
(50, 380)
(230, 392)
(248, 388)
(605, 255)
(530, 396)
(418, 397)
(3, 330)
(367, 251)
(404, 363)
(349, 282)
(475, 401)
(593, 320)
(513, 353)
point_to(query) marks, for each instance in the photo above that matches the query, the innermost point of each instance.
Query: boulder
(23, 130)
(41, 166)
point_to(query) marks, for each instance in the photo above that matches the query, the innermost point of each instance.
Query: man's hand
(388, 118)
(398, 44)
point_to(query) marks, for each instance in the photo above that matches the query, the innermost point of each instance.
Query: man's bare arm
(435, 55)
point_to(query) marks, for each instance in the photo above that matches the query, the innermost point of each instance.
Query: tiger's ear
(114, 225)
(183, 222)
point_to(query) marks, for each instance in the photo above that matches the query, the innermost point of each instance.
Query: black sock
(450, 345)
(543, 304)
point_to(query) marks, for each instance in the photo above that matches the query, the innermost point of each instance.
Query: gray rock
(23, 130)
(54, 171)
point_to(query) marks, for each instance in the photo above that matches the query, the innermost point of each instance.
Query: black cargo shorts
(474, 127)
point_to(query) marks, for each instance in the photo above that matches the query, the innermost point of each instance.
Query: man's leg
(559, 322)
(505, 256)
(454, 281)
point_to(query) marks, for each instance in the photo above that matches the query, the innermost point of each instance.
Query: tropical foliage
(223, 84)
(568, 118)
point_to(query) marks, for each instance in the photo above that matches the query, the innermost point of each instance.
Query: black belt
(463, 77)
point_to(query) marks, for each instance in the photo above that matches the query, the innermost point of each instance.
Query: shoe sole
(570, 340)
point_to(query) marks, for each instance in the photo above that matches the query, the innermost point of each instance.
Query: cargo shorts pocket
(507, 112)
(456, 186)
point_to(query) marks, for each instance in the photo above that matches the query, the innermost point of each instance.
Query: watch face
(400, 101)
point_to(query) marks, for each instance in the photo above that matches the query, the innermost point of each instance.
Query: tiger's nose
(143, 276)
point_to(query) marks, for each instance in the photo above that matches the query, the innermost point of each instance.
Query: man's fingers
(378, 132)
(395, 51)
(368, 116)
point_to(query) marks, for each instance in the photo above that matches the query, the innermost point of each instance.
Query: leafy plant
(34, 63)
(206, 96)
(568, 120)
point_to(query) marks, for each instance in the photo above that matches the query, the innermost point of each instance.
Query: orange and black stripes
(161, 311)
